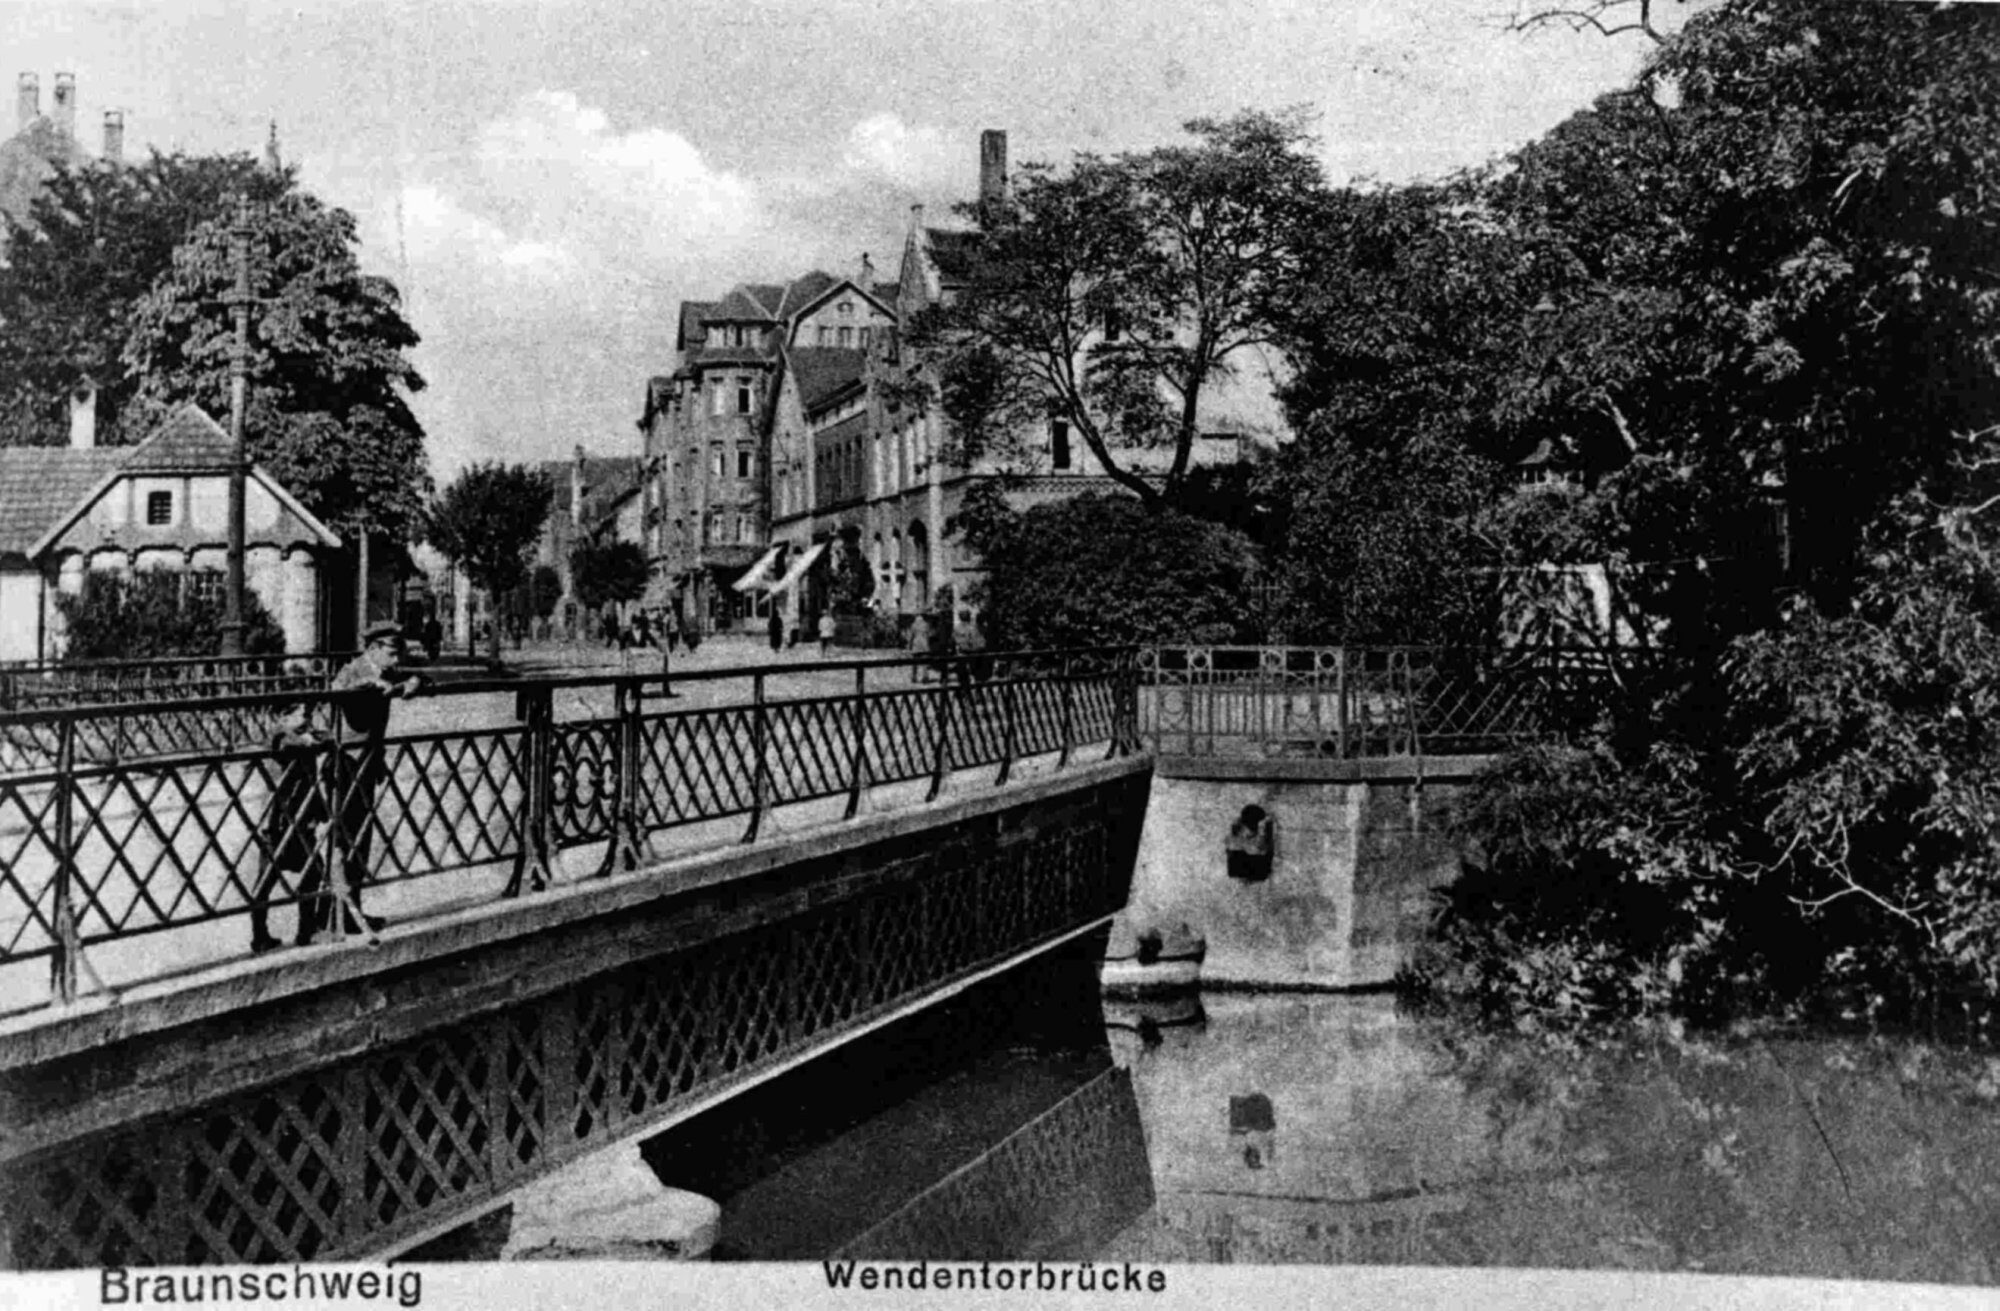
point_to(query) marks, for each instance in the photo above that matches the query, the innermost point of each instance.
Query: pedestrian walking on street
(825, 633)
(971, 644)
(433, 637)
(777, 630)
(294, 827)
(670, 628)
(364, 690)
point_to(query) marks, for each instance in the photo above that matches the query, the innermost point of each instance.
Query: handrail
(95, 850)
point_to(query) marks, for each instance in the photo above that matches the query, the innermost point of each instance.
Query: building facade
(783, 434)
(69, 511)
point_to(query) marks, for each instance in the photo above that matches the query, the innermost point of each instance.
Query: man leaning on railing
(363, 689)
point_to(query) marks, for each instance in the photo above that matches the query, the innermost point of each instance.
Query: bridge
(614, 902)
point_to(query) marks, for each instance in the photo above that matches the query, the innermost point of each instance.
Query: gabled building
(584, 488)
(708, 430)
(163, 504)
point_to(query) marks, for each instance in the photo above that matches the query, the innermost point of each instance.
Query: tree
(850, 578)
(329, 374)
(155, 613)
(94, 241)
(535, 598)
(604, 573)
(1114, 294)
(1104, 569)
(487, 522)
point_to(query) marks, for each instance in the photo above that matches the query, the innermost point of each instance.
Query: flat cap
(384, 629)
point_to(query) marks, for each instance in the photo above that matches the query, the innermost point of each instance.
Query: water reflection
(1336, 1130)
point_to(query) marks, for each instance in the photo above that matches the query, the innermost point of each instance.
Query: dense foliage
(487, 523)
(156, 613)
(121, 277)
(1115, 293)
(1101, 569)
(604, 573)
(1776, 290)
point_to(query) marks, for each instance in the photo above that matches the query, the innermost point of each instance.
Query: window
(825, 337)
(742, 335)
(159, 508)
(846, 334)
(205, 585)
(1114, 323)
(715, 459)
(715, 396)
(1059, 443)
(846, 308)
(745, 464)
(861, 337)
(743, 396)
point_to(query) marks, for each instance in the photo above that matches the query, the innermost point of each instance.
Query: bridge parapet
(1357, 702)
(97, 847)
(356, 1102)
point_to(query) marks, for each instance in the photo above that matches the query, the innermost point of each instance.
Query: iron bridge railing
(96, 848)
(42, 684)
(1350, 702)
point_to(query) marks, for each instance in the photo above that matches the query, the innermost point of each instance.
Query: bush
(1106, 569)
(154, 614)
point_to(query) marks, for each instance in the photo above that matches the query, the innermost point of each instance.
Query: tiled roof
(693, 313)
(887, 292)
(802, 291)
(39, 484)
(952, 251)
(822, 371)
(739, 305)
(767, 295)
(727, 355)
(189, 442)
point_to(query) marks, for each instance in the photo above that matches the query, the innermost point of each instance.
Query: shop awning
(759, 574)
(798, 569)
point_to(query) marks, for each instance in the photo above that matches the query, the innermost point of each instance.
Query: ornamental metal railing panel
(95, 850)
(42, 684)
(381, 1146)
(1353, 702)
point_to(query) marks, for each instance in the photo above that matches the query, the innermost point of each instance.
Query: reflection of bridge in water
(318, 1103)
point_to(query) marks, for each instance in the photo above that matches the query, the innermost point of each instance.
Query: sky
(546, 180)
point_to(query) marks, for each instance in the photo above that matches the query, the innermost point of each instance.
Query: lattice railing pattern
(97, 849)
(351, 1157)
(1079, 1167)
(1368, 701)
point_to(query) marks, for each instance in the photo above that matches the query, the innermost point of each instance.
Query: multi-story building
(708, 428)
(783, 431)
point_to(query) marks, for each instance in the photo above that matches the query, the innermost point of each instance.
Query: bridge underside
(357, 1115)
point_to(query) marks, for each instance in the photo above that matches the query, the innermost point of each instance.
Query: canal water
(1032, 1120)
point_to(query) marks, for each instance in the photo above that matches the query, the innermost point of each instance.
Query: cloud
(882, 147)
(544, 266)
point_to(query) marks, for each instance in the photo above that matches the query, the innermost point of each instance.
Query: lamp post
(239, 456)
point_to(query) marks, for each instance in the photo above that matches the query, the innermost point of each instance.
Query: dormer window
(159, 509)
(1059, 453)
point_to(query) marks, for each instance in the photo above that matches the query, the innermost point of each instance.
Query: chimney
(83, 416)
(28, 102)
(865, 277)
(576, 491)
(64, 112)
(992, 166)
(114, 136)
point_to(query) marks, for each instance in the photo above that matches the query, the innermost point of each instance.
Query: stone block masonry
(1357, 854)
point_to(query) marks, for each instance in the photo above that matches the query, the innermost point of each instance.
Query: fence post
(941, 757)
(62, 965)
(1340, 702)
(1124, 704)
(621, 853)
(1006, 731)
(760, 770)
(858, 779)
(1068, 700)
(535, 708)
